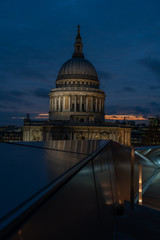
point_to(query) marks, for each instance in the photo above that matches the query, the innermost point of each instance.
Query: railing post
(132, 178)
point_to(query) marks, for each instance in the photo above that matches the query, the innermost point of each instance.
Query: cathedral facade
(76, 106)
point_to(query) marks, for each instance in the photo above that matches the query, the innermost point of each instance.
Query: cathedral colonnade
(76, 103)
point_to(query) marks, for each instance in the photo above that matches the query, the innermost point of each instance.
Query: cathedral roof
(77, 67)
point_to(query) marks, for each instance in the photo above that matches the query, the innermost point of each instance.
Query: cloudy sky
(121, 39)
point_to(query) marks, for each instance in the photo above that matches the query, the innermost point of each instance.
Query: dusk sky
(120, 38)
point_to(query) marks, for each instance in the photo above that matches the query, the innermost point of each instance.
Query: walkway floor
(142, 223)
(151, 197)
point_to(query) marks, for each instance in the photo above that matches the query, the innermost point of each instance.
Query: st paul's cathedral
(76, 106)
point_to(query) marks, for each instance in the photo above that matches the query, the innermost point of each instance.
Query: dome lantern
(78, 67)
(78, 46)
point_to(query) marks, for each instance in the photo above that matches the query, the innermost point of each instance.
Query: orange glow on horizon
(39, 116)
(107, 117)
(42, 116)
(126, 117)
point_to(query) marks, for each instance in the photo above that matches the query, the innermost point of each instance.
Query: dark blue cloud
(140, 110)
(41, 92)
(117, 109)
(154, 87)
(18, 93)
(154, 104)
(129, 89)
(152, 64)
(104, 75)
(14, 100)
(6, 117)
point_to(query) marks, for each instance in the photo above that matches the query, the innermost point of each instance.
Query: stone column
(99, 104)
(55, 103)
(86, 104)
(92, 104)
(75, 104)
(80, 107)
(96, 105)
(69, 103)
(63, 103)
(29, 134)
(59, 103)
(102, 105)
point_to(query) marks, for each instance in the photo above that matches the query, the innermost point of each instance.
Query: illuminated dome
(77, 96)
(77, 68)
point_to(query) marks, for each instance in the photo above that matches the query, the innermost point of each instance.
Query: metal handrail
(146, 147)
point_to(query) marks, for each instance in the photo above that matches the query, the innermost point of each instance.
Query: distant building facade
(76, 106)
(146, 135)
(11, 134)
(45, 131)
